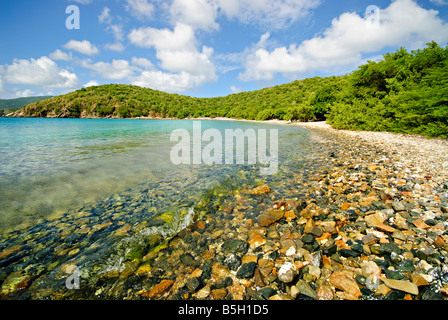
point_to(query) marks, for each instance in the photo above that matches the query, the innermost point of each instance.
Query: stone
(308, 238)
(324, 292)
(235, 246)
(129, 268)
(398, 206)
(401, 285)
(267, 292)
(370, 268)
(372, 282)
(316, 231)
(369, 239)
(385, 228)
(268, 218)
(345, 282)
(290, 215)
(405, 266)
(259, 278)
(159, 289)
(246, 270)
(188, 260)
(374, 220)
(232, 261)
(192, 284)
(256, 240)
(223, 283)
(305, 289)
(203, 293)
(263, 189)
(123, 231)
(419, 223)
(287, 272)
(14, 282)
(219, 294)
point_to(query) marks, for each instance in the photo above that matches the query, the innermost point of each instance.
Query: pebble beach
(368, 223)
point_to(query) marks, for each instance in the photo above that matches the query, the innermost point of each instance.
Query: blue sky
(202, 48)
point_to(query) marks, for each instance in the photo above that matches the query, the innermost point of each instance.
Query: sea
(81, 191)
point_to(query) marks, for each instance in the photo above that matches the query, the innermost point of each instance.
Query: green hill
(11, 105)
(404, 92)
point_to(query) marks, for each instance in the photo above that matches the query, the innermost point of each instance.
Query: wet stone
(308, 239)
(188, 260)
(236, 246)
(405, 266)
(232, 261)
(246, 271)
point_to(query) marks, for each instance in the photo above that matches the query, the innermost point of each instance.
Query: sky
(201, 48)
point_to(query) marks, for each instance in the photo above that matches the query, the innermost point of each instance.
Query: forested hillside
(404, 92)
(11, 105)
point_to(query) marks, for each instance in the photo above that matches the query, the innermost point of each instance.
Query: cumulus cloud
(344, 43)
(168, 82)
(182, 37)
(116, 70)
(267, 14)
(42, 72)
(199, 14)
(116, 30)
(60, 55)
(141, 9)
(84, 47)
(91, 83)
(439, 2)
(142, 62)
(25, 93)
(178, 54)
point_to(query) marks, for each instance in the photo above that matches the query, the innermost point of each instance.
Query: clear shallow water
(49, 166)
(68, 187)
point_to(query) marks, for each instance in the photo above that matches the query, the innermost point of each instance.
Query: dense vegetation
(11, 105)
(404, 92)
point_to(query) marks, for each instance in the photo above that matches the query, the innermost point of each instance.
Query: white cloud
(118, 46)
(343, 44)
(439, 2)
(267, 14)
(105, 17)
(84, 47)
(60, 55)
(234, 89)
(176, 49)
(116, 30)
(168, 82)
(24, 93)
(182, 37)
(141, 9)
(199, 14)
(142, 62)
(91, 83)
(39, 72)
(116, 70)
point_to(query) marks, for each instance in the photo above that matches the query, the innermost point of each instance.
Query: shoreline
(372, 223)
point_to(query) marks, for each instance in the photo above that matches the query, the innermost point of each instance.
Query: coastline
(370, 224)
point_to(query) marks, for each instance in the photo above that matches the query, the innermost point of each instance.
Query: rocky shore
(372, 224)
(369, 223)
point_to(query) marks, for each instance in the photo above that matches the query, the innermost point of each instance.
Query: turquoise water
(50, 166)
(96, 193)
